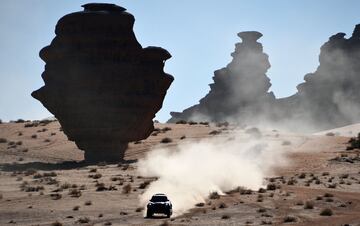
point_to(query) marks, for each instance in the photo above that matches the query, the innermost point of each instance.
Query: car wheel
(148, 214)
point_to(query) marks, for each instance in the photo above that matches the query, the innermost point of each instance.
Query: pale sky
(200, 35)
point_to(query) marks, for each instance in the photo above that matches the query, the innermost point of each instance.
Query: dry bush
(126, 189)
(262, 190)
(93, 170)
(76, 208)
(309, 205)
(34, 136)
(200, 204)
(326, 212)
(88, 203)
(271, 187)
(56, 196)
(215, 132)
(204, 123)
(83, 220)
(165, 223)
(47, 140)
(182, 137)
(289, 219)
(330, 134)
(302, 175)
(225, 217)
(139, 209)
(328, 195)
(144, 184)
(181, 122)
(1, 196)
(192, 123)
(166, 140)
(165, 129)
(214, 195)
(3, 140)
(65, 186)
(56, 223)
(75, 193)
(95, 176)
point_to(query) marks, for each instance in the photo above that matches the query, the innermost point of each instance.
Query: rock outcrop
(101, 85)
(239, 89)
(330, 96)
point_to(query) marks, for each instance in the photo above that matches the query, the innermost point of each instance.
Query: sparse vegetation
(214, 195)
(139, 209)
(75, 193)
(309, 205)
(166, 140)
(56, 223)
(126, 189)
(330, 134)
(76, 208)
(225, 217)
(83, 220)
(144, 184)
(271, 187)
(354, 143)
(34, 136)
(3, 140)
(181, 122)
(289, 219)
(215, 132)
(326, 212)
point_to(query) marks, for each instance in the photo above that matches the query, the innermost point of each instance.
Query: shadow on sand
(10, 167)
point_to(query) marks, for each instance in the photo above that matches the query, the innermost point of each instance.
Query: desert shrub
(88, 203)
(100, 187)
(302, 175)
(56, 196)
(328, 195)
(139, 209)
(1, 196)
(165, 129)
(214, 195)
(181, 122)
(83, 220)
(330, 134)
(332, 185)
(262, 190)
(292, 181)
(76, 208)
(261, 210)
(215, 132)
(20, 121)
(244, 191)
(1, 121)
(220, 124)
(225, 217)
(166, 140)
(309, 205)
(344, 176)
(3, 140)
(126, 189)
(47, 140)
(75, 193)
(34, 136)
(300, 203)
(144, 184)
(192, 123)
(354, 143)
(271, 187)
(326, 212)
(182, 137)
(204, 123)
(260, 198)
(222, 205)
(319, 198)
(200, 204)
(289, 219)
(95, 176)
(165, 223)
(56, 223)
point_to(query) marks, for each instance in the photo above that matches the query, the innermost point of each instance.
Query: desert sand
(41, 183)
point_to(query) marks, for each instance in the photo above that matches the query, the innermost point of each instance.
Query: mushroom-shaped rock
(101, 85)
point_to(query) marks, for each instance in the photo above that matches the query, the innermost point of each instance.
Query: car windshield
(159, 199)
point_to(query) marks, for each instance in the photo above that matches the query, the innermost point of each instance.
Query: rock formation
(101, 85)
(239, 89)
(330, 96)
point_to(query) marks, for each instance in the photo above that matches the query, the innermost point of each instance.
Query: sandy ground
(38, 188)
